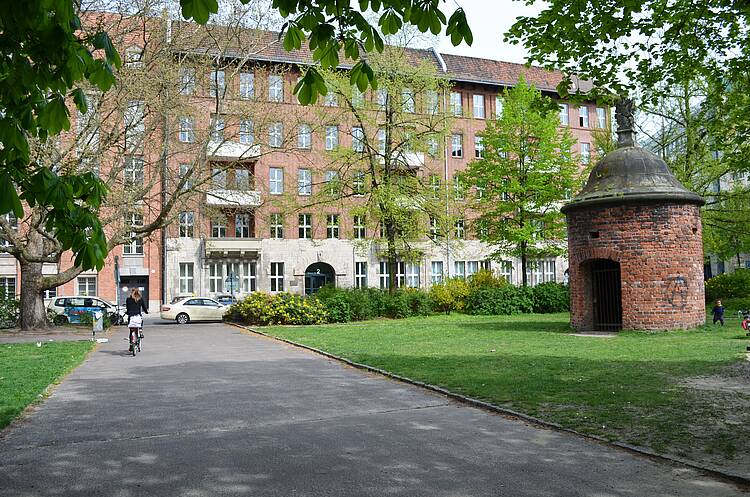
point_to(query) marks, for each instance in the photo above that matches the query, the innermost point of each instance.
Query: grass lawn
(630, 388)
(27, 370)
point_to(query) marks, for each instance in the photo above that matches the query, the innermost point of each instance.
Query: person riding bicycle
(134, 305)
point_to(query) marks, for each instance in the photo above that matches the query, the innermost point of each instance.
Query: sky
(489, 19)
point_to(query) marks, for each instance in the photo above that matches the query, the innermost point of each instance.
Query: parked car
(70, 309)
(226, 299)
(194, 309)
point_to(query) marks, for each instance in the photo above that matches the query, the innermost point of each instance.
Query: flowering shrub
(450, 295)
(284, 308)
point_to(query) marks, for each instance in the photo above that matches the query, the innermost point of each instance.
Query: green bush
(351, 304)
(728, 286)
(9, 310)
(284, 308)
(551, 297)
(485, 278)
(500, 301)
(450, 295)
(731, 306)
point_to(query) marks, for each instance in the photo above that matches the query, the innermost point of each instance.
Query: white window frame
(585, 153)
(499, 106)
(87, 285)
(459, 269)
(217, 84)
(601, 118)
(275, 135)
(247, 85)
(218, 228)
(358, 183)
(186, 130)
(216, 277)
(408, 103)
(276, 223)
(358, 139)
(460, 229)
(187, 277)
(304, 137)
(217, 132)
(564, 115)
(456, 104)
(134, 171)
(478, 106)
(359, 227)
(383, 276)
(333, 230)
(583, 116)
(276, 277)
(360, 274)
(135, 245)
(275, 180)
(304, 182)
(242, 228)
(304, 226)
(507, 271)
(478, 147)
(187, 224)
(275, 88)
(332, 137)
(411, 274)
(432, 102)
(247, 134)
(436, 272)
(187, 80)
(457, 145)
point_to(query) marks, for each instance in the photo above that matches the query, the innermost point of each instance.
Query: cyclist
(134, 305)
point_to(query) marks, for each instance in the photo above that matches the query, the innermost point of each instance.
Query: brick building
(234, 224)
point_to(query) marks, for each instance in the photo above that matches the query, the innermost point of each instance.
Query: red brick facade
(660, 252)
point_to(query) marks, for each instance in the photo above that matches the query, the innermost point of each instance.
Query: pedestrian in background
(718, 312)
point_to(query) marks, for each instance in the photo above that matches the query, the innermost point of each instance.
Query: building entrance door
(128, 283)
(607, 295)
(317, 276)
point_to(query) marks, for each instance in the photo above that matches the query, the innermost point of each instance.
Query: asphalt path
(206, 410)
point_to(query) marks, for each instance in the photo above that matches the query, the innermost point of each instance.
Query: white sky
(489, 19)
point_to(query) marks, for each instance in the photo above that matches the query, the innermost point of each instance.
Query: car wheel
(60, 319)
(182, 318)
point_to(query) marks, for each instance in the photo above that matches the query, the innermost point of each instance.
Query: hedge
(729, 286)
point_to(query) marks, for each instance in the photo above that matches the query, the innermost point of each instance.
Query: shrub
(351, 304)
(486, 279)
(500, 301)
(729, 285)
(551, 297)
(9, 310)
(284, 308)
(450, 295)
(731, 306)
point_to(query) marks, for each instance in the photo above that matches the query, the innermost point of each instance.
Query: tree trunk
(392, 258)
(524, 262)
(33, 312)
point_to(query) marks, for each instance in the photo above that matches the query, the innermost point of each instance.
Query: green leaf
(9, 201)
(54, 115)
(79, 98)
(199, 10)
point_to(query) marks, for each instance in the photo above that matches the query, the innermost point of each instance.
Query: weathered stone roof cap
(631, 174)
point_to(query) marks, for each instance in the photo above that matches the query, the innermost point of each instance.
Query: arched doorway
(606, 295)
(317, 276)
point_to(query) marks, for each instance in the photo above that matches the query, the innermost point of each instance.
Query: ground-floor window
(436, 272)
(186, 277)
(87, 285)
(7, 287)
(471, 267)
(216, 277)
(408, 275)
(360, 275)
(51, 293)
(506, 270)
(540, 271)
(459, 269)
(383, 275)
(277, 276)
(246, 272)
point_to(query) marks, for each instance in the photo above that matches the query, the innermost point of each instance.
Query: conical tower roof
(630, 174)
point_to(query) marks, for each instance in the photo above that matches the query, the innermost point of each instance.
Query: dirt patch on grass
(719, 384)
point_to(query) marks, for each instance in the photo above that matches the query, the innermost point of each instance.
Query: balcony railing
(230, 150)
(222, 197)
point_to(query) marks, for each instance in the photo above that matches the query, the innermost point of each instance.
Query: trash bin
(98, 321)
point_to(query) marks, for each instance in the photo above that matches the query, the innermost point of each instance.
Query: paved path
(208, 411)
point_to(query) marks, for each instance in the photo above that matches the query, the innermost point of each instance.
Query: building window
(457, 146)
(242, 226)
(332, 137)
(186, 277)
(411, 272)
(381, 97)
(583, 116)
(218, 178)
(135, 245)
(471, 268)
(585, 153)
(187, 222)
(383, 275)
(184, 178)
(11, 219)
(304, 136)
(358, 143)
(246, 272)
(216, 277)
(277, 276)
(381, 141)
(459, 192)
(548, 267)
(304, 182)
(217, 133)
(135, 124)
(241, 179)
(478, 106)
(276, 180)
(436, 272)
(332, 226)
(506, 270)
(50, 293)
(459, 269)
(601, 118)
(275, 134)
(277, 226)
(360, 275)
(360, 231)
(133, 172)
(432, 146)
(435, 185)
(133, 57)
(218, 228)
(434, 228)
(499, 106)
(8, 287)
(275, 88)
(478, 147)
(331, 99)
(186, 130)
(217, 86)
(247, 136)
(358, 98)
(455, 104)
(407, 100)
(187, 80)
(460, 229)
(332, 182)
(432, 102)
(358, 183)
(305, 226)
(564, 114)
(86, 286)
(247, 85)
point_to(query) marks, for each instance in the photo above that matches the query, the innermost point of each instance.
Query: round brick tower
(634, 243)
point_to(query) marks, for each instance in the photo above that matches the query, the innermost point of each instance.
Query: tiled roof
(266, 46)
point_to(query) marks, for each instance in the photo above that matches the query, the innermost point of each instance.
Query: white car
(193, 309)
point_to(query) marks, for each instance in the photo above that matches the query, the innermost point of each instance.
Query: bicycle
(135, 336)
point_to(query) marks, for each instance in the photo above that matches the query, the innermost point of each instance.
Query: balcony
(410, 160)
(222, 197)
(232, 247)
(231, 151)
